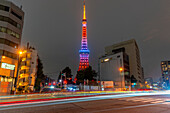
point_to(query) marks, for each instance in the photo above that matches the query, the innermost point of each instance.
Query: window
(1, 52)
(2, 41)
(28, 63)
(4, 8)
(9, 20)
(169, 66)
(8, 54)
(29, 55)
(18, 16)
(10, 32)
(9, 43)
(2, 29)
(17, 35)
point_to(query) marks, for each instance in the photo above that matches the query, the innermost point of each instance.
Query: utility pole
(65, 81)
(61, 80)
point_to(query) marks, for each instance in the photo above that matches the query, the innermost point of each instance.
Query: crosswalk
(146, 100)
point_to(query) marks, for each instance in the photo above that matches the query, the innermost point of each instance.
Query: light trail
(81, 99)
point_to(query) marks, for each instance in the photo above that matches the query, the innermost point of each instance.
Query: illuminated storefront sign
(7, 66)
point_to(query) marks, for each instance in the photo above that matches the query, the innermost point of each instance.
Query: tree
(66, 74)
(40, 75)
(87, 74)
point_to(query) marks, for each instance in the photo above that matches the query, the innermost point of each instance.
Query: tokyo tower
(84, 52)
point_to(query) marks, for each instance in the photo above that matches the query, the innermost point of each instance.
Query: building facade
(11, 25)
(115, 67)
(165, 69)
(27, 70)
(132, 50)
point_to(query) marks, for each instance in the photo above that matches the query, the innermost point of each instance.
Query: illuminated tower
(84, 52)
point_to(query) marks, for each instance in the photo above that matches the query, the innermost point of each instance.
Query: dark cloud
(54, 28)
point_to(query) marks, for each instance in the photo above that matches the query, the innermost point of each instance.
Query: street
(159, 103)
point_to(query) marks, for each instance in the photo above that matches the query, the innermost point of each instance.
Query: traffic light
(54, 83)
(65, 81)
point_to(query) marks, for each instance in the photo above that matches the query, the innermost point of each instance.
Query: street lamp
(20, 52)
(3, 57)
(121, 69)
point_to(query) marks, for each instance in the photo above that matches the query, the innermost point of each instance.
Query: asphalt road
(136, 104)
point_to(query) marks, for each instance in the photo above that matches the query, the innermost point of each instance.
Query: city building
(132, 50)
(115, 68)
(165, 68)
(11, 25)
(27, 69)
(84, 52)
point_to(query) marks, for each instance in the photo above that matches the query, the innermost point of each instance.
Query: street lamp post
(19, 63)
(121, 69)
(65, 81)
(61, 80)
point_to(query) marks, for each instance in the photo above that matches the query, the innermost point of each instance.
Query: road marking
(144, 99)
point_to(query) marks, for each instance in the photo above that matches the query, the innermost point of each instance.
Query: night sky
(53, 27)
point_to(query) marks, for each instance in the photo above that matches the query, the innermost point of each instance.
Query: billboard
(7, 66)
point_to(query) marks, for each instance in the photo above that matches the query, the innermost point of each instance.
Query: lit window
(17, 35)
(3, 29)
(2, 79)
(6, 80)
(106, 60)
(9, 31)
(169, 66)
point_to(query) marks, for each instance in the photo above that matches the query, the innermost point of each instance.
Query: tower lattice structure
(84, 52)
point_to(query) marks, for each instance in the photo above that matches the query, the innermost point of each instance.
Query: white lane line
(151, 100)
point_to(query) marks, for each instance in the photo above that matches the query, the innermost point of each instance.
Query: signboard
(7, 66)
(107, 84)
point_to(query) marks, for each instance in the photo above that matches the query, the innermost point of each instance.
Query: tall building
(84, 52)
(165, 68)
(115, 67)
(11, 25)
(27, 69)
(132, 50)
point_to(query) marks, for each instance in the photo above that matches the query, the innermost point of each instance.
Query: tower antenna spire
(84, 12)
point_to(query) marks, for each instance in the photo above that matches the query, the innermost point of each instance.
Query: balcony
(24, 83)
(23, 75)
